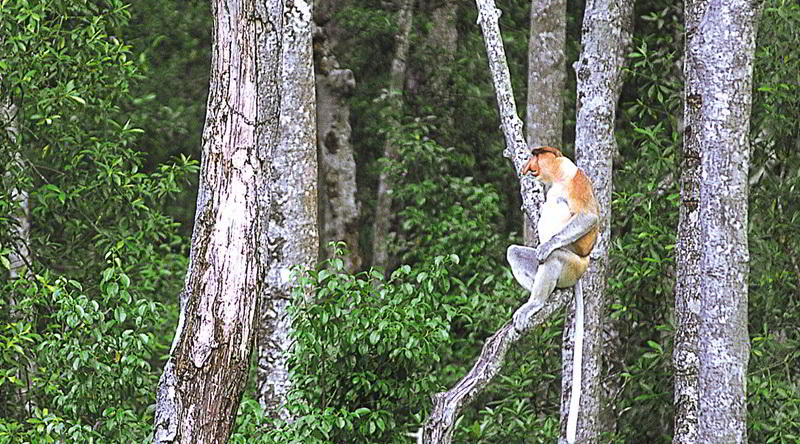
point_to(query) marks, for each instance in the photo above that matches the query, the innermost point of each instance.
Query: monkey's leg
(524, 264)
(547, 275)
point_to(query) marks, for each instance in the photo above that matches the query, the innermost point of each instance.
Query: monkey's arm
(579, 224)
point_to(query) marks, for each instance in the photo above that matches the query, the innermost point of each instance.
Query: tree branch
(440, 425)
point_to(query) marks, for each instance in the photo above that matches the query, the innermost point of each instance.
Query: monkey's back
(584, 200)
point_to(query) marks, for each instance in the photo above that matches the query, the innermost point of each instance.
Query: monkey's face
(543, 167)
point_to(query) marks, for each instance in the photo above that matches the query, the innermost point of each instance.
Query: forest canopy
(104, 105)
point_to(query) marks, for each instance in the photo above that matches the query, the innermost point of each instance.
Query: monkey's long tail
(577, 366)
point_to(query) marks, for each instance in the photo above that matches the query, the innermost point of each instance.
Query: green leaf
(77, 99)
(120, 315)
(374, 337)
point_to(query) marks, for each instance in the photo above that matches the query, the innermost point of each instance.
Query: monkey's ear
(523, 263)
(546, 149)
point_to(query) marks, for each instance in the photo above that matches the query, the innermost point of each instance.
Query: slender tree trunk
(339, 210)
(544, 115)
(204, 378)
(383, 206)
(712, 344)
(292, 230)
(607, 27)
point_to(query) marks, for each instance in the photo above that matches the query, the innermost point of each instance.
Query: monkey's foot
(523, 313)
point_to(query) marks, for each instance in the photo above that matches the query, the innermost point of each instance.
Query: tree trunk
(607, 27)
(383, 206)
(442, 41)
(292, 234)
(20, 255)
(339, 210)
(546, 76)
(203, 380)
(712, 344)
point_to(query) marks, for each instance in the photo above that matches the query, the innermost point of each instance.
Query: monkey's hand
(545, 250)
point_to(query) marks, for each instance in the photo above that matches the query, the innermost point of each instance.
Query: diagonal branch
(439, 427)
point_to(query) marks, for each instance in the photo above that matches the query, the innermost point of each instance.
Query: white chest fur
(555, 213)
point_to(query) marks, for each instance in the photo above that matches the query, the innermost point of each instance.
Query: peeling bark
(606, 35)
(712, 344)
(383, 206)
(447, 406)
(339, 210)
(544, 114)
(204, 378)
(292, 234)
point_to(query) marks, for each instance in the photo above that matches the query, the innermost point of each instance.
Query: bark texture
(447, 406)
(712, 344)
(383, 206)
(606, 34)
(203, 380)
(292, 234)
(546, 77)
(339, 210)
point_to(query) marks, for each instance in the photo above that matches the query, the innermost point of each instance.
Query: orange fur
(546, 149)
(579, 195)
(581, 199)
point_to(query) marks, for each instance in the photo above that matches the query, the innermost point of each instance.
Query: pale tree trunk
(544, 114)
(339, 210)
(204, 378)
(383, 206)
(447, 406)
(292, 229)
(712, 344)
(607, 27)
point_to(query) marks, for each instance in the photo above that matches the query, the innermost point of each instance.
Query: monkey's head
(543, 164)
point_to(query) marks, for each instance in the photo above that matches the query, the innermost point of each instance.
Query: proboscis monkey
(567, 234)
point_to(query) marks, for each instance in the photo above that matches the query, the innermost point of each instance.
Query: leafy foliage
(81, 332)
(365, 351)
(773, 392)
